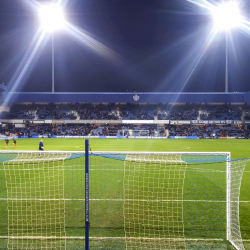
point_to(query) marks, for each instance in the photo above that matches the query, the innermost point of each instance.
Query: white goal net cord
(162, 226)
(36, 201)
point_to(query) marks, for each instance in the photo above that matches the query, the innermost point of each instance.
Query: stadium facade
(140, 97)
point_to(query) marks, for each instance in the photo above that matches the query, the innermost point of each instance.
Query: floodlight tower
(226, 17)
(52, 19)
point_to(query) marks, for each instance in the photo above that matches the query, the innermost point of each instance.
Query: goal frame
(89, 153)
(135, 130)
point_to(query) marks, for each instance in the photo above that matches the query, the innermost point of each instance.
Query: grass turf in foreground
(238, 149)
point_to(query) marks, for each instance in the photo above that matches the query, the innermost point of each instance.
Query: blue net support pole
(86, 194)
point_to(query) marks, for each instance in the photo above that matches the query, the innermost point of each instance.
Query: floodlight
(227, 16)
(52, 17)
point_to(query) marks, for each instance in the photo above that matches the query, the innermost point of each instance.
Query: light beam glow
(25, 66)
(52, 17)
(227, 16)
(91, 43)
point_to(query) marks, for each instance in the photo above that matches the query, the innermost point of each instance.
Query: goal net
(42, 200)
(136, 200)
(133, 132)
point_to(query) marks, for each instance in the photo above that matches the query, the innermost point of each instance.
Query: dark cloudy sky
(155, 46)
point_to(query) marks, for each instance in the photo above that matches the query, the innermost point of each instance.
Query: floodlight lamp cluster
(52, 17)
(227, 16)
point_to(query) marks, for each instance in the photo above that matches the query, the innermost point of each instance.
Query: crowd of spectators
(246, 113)
(88, 111)
(20, 112)
(129, 111)
(185, 130)
(85, 130)
(178, 113)
(113, 111)
(208, 131)
(56, 112)
(217, 112)
(41, 111)
(202, 131)
(136, 112)
(51, 129)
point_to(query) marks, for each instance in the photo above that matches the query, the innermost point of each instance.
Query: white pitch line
(110, 238)
(116, 200)
(109, 169)
(106, 238)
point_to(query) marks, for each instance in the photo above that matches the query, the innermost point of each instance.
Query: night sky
(156, 46)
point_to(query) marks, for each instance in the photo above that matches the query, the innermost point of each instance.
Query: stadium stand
(220, 112)
(111, 111)
(203, 131)
(34, 115)
(178, 113)
(208, 131)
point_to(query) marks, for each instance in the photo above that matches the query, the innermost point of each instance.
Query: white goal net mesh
(135, 132)
(137, 200)
(42, 200)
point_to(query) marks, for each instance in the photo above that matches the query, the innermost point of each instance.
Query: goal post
(119, 200)
(86, 194)
(229, 221)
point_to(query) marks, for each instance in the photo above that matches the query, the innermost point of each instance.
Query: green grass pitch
(73, 188)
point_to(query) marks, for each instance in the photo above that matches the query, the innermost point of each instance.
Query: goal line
(118, 200)
(108, 238)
